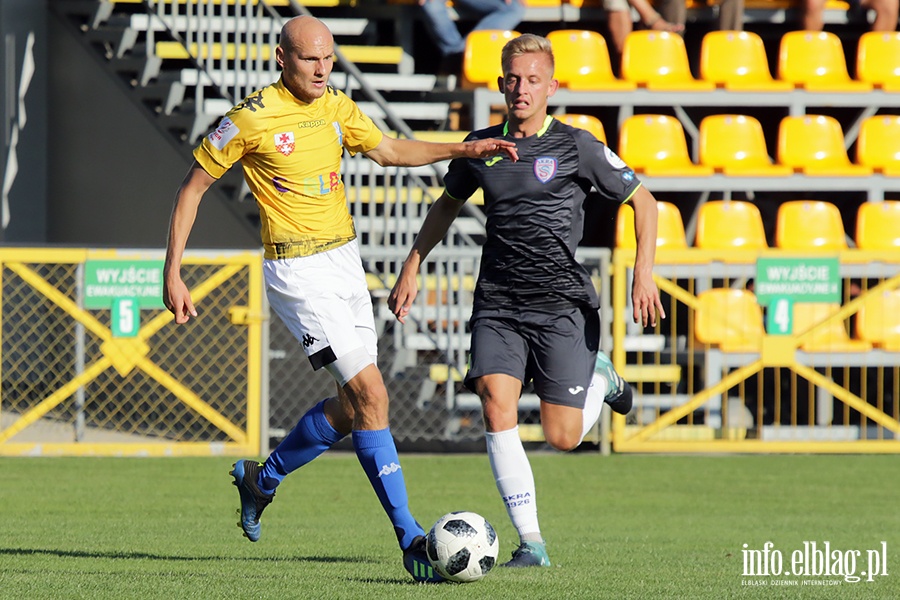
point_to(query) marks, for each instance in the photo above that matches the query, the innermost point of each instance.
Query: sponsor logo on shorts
(545, 168)
(309, 340)
(576, 390)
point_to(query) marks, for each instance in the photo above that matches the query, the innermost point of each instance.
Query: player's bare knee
(562, 440)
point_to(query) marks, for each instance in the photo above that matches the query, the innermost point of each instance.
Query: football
(462, 546)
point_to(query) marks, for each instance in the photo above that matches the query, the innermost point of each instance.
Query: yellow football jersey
(291, 155)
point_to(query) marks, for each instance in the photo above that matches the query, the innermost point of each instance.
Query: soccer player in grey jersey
(535, 314)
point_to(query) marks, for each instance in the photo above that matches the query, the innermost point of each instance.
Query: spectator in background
(731, 12)
(885, 13)
(618, 19)
(504, 15)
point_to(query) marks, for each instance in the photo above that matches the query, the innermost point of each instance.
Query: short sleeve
(360, 134)
(460, 182)
(233, 138)
(610, 176)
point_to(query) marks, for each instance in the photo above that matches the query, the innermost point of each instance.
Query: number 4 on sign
(780, 317)
(126, 317)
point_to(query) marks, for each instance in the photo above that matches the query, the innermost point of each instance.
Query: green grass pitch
(619, 527)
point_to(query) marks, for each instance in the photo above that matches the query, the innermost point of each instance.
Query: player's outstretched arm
(414, 153)
(644, 293)
(434, 228)
(176, 296)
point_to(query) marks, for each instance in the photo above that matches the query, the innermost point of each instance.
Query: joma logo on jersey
(309, 340)
(306, 124)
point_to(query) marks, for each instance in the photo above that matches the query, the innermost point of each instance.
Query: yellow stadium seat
(729, 318)
(587, 122)
(582, 61)
(481, 59)
(809, 225)
(878, 225)
(878, 59)
(656, 145)
(735, 145)
(658, 60)
(832, 337)
(669, 228)
(815, 60)
(814, 145)
(878, 144)
(878, 320)
(736, 60)
(730, 225)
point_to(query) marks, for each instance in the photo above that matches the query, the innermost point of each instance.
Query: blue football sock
(312, 436)
(378, 456)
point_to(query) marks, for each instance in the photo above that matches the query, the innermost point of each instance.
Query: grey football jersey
(535, 215)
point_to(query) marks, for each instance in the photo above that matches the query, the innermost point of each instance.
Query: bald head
(306, 57)
(303, 29)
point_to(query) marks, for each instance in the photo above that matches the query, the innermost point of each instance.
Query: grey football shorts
(554, 350)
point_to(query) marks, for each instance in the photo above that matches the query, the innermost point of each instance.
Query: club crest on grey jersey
(545, 168)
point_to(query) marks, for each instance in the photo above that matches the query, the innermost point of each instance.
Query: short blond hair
(526, 43)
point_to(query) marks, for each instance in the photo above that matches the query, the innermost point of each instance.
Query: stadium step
(381, 55)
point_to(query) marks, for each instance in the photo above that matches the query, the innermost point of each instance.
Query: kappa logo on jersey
(307, 124)
(284, 142)
(613, 158)
(388, 469)
(309, 340)
(545, 168)
(251, 103)
(223, 134)
(576, 390)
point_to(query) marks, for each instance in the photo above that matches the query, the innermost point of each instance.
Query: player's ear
(500, 85)
(279, 56)
(554, 85)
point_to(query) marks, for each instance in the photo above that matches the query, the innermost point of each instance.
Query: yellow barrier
(75, 382)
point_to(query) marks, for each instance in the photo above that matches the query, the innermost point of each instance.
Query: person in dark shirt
(535, 314)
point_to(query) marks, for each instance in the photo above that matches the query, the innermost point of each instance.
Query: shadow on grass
(148, 556)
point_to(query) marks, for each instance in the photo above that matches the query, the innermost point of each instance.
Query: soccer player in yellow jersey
(289, 138)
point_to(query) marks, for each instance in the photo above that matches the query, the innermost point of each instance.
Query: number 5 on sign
(780, 317)
(126, 317)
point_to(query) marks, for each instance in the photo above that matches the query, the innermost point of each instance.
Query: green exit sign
(798, 279)
(105, 281)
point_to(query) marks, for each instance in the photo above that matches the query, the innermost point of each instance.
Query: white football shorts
(324, 301)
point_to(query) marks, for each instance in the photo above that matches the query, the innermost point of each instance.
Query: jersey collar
(548, 120)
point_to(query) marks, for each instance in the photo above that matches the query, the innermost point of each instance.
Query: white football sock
(515, 481)
(593, 403)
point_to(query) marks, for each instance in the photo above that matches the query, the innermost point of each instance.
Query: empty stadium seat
(656, 145)
(729, 318)
(815, 61)
(878, 144)
(587, 122)
(878, 320)
(658, 60)
(730, 225)
(736, 145)
(878, 225)
(814, 145)
(736, 60)
(809, 225)
(481, 59)
(878, 59)
(582, 61)
(669, 232)
(832, 337)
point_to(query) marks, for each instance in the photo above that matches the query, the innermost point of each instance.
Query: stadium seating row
(733, 60)
(656, 145)
(733, 320)
(800, 225)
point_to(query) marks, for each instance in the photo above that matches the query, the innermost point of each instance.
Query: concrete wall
(113, 172)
